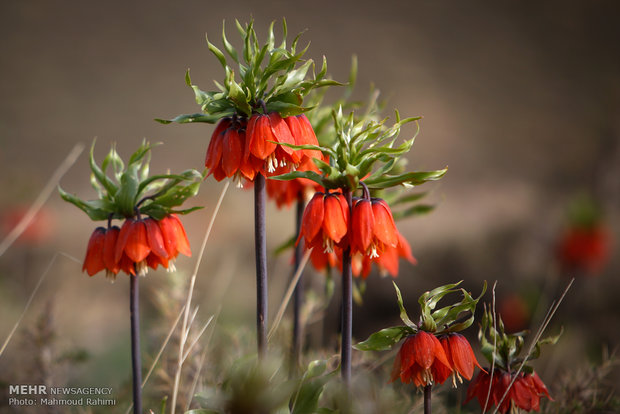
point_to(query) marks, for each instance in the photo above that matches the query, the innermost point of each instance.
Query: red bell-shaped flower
(264, 132)
(225, 154)
(525, 392)
(460, 355)
(325, 221)
(419, 360)
(373, 229)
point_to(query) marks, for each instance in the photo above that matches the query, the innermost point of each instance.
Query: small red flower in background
(421, 359)
(514, 313)
(284, 193)
(584, 249)
(139, 244)
(38, 230)
(325, 222)
(461, 357)
(525, 393)
(387, 262)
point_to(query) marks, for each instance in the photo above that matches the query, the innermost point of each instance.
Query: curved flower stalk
(433, 349)
(511, 384)
(151, 234)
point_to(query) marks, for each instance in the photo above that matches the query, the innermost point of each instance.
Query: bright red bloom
(325, 222)
(525, 393)
(139, 244)
(421, 359)
(93, 262)
(373, 229)
(263, 134)
(584, 249)
(225, 154)
(303, 134)
(175, 240)
(460, 355)
(514, 312)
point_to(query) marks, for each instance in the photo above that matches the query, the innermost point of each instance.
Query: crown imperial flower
(325, 221)
(525, 393)
(421, 360)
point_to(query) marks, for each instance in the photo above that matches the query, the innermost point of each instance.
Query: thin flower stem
(136, 362)
(299, 288)
(347, 308)
(427, 399)
(260, 243)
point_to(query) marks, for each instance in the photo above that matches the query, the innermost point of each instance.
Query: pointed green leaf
(385, 339)
(403, 313)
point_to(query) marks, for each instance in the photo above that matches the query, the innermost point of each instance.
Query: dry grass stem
(288, 294)
(41, 198)
(34, 292)
(185, 329)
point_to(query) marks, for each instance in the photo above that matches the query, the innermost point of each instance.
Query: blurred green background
(520, 100)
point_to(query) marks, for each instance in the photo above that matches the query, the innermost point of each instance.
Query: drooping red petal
(282, 133)
(93, 262)
(123, 236)
(109, 246)
(232, 152)
(312, 218)
(385, 229)
(259, 134)
(137, 246)
(461, 354)
(181, 236)
(334, 220)
(155, 238)
(423, 349)
(214, 151)
(363, 222)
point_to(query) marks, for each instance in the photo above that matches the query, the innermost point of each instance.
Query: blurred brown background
(520, 100)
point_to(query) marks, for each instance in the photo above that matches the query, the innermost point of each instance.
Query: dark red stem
(260, 243)
(427, 399)
(347, 307)
(136, 360)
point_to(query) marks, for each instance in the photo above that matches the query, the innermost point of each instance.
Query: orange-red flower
(421, 359)
(461, 357)
(139, 244)
(264, 132)
(325, 222)
(525, 393)
(584, 249)
(225, 154)
(372, 228)
(93, 262)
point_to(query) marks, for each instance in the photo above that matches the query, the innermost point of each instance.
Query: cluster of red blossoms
(425, 360)
(136, 246)
(525, 393)
(241, 148)
(328, 227)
